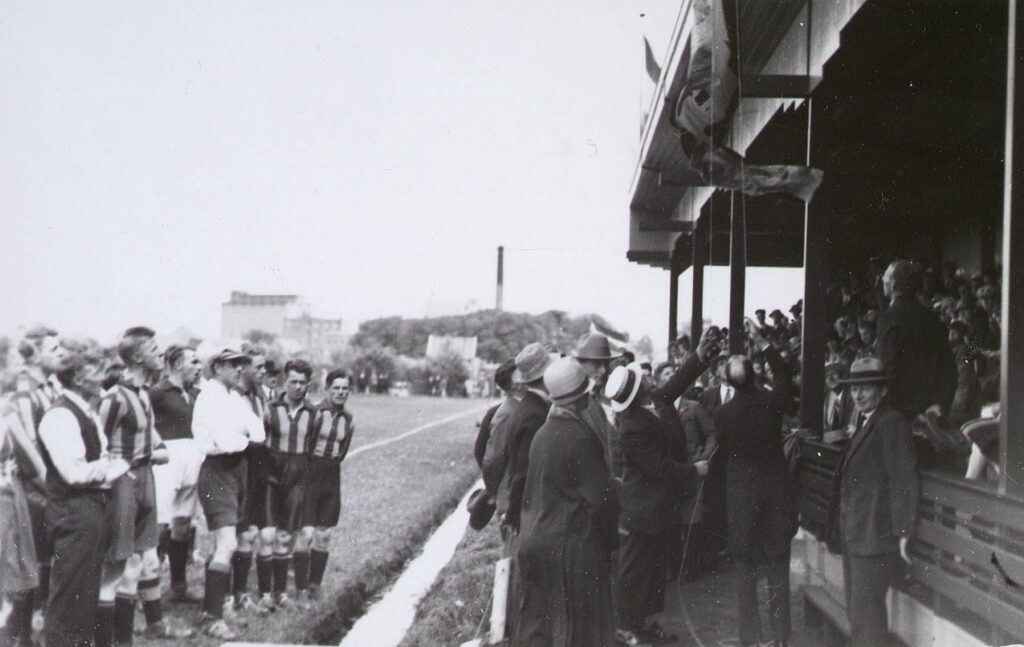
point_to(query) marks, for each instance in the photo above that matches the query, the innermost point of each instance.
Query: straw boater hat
(595, 346)
(566, 381)
(531, 363)
(622, 386)
(867, 370)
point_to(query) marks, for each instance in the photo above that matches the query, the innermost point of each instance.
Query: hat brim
(619, 407)
(854, 381)
(598, 358)
(525, 378)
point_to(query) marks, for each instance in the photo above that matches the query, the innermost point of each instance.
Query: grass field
(456, 606)
(393, 496)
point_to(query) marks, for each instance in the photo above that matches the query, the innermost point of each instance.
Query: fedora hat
(481, 508)
(622, 386)
(531, 363)
(595, 346)
(566, 381)
(866, 370)
(842, 368)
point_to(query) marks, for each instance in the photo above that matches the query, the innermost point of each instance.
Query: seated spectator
(839, 405)
(866, 331)
(965, 400)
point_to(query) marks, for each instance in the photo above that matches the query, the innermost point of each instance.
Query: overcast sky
(368, 155)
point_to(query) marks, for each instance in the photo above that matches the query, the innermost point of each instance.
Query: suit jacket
(913, 344)
(875, 491)
(596, 419)
(522, 427)
(495, 463)
(711, 399)
(653, 483)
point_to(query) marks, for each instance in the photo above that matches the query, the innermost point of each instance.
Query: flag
(724, 168)
(600, 325)
(653, 69)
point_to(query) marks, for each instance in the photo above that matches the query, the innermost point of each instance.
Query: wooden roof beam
(778, 86)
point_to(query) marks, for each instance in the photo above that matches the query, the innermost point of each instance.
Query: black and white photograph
(468, 323)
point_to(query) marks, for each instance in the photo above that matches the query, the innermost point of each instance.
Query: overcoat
(567, 535)
(760, 493)
(875, 491)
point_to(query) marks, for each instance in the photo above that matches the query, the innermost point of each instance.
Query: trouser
(867, 580)
(777, 574)
(79, 531)
(643, 558)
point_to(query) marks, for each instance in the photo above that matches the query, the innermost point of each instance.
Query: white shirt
(725, 392)
(223, 422)
(62, 437)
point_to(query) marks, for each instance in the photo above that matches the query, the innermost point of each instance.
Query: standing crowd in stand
(106, 462)
(610, 479)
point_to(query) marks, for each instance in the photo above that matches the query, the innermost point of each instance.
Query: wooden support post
(699, 258)
(673, 298)
(1011, 385)
(737, 272)
(816, 214)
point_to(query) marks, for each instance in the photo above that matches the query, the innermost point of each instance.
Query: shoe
(166, 630)
(246, 604)
(218, 629)
(630, 639)
(180, 593)
(284, 602)
(229, 614)
(266, 603)
(313, 593)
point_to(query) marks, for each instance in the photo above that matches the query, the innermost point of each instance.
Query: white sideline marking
(402, 436)
(385, 623)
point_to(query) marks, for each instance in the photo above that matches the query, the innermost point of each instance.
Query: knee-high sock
(301, 563)
(103, 635)
(152, 607)
(281, 572)
(265, 573)
(177, 557)
(124, 620)
(218, 580)
(43, 590)
(240, 565)
(317, 566)
(19, 621)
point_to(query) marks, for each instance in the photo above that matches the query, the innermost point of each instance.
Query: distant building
(464, 347)
(286, 316)
(267, 312)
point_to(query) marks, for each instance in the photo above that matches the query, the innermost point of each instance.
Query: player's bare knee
(322, 538)
(284, 541)
(179, 528)
(150, 566)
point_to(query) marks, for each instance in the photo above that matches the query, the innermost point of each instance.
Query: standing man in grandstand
(254, 516)
(328, 447)
(79, 475)
(176, 481)
(291, 422)
(36, 389)
(133, 566)
(223, 425)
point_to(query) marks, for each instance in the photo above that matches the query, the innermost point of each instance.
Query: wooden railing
(968, 553)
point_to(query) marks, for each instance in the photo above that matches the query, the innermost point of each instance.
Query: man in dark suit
(874, 503)
(913, 345)
(838, 401)
(653, 484)
(760, 497)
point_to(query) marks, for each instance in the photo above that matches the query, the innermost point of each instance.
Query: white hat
(622, 386)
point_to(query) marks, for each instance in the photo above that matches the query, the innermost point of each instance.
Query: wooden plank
(999, 613)
(833, 610)
(778, 86)
(971, 550)
(973, 499)
(499, 604)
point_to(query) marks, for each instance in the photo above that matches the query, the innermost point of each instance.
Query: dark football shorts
(287, 475)
(222, 483)
(133, 497)
(323, 493)
(255, 512)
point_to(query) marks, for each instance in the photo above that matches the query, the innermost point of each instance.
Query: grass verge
(456, 607)
(393, 496)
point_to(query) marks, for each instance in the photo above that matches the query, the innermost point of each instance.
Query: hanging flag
(653, 69)
(708, 98)
(724, 168)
